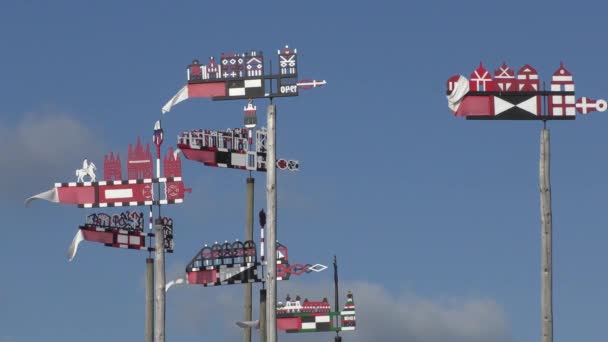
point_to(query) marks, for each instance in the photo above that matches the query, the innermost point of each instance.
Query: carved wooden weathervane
(297, 316)
(243, 76)
(238, 262)
(232, 148)
(124, 230)
(304, 316)
(113, 191)
(522, 96)
(517, 96)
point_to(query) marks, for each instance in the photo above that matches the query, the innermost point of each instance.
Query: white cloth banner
(177, 281)
(249, 324)
(461, 88)
(181, 95)
(78, 238)
(50, 196)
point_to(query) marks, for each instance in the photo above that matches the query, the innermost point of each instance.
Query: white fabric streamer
(176, 153)
(177, 281)
(50, 196)
(461, 88)
(181, 95)
(78, 238)
(249, 324)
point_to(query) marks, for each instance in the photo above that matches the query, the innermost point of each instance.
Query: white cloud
(410, 317)
(39, 150)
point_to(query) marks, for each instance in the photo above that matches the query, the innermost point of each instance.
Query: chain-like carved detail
(129, 220)
(168, 233)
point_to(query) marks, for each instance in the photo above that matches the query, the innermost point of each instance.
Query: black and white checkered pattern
(121, 182)
(318, 323)
(248, 88)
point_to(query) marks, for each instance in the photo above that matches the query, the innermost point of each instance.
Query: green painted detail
(312, 330)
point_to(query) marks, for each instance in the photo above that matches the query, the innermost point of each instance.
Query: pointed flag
(123, 193)
(67, 193)
(110, 237)
(105, 237)
(211, 89)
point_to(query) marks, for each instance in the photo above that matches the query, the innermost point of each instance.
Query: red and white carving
(527, 79)
(585, 105)
(288, 61)
(505, 78)
(481, 80)
(562, 105)
(139, 161)
(112, 168)
(254, 63)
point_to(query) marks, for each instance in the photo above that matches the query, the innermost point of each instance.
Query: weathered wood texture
(546, 238)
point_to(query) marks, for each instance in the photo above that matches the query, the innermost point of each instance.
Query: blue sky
(435, 219)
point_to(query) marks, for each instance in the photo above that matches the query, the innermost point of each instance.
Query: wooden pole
(149, 300)
(338, 338)
(159, 281)
(271, 204)
(263, 337)
(247, 307)
(546, 239)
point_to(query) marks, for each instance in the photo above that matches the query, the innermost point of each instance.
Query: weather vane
(243, 77)
(232, 148)
(521, 96)
(124, 230)
(114, 191)
(237, 262)
(297, 316)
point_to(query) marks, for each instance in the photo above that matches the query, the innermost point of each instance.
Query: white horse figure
(88, 169)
